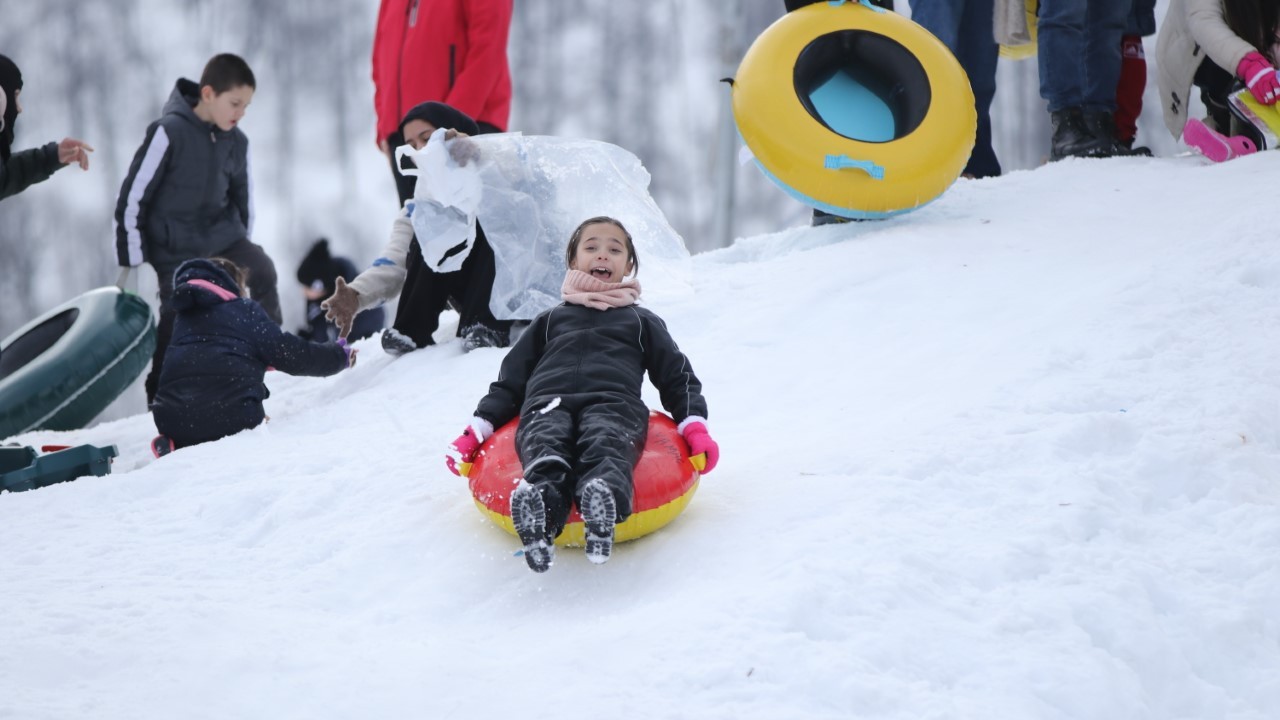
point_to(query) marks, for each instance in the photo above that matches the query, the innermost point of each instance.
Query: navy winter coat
(211, 381)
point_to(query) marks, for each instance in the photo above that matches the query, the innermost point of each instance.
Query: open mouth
(602, 272)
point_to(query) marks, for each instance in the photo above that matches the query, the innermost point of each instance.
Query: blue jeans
(1079, 52)
(964, 26)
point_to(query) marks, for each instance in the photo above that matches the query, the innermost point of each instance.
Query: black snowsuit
(575, 377)
(211, 382)
(187, 195)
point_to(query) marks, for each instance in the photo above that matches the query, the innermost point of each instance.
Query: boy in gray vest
(188, 192)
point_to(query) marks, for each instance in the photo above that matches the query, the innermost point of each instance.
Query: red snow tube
(665, 481)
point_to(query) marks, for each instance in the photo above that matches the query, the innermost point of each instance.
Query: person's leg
(262, 275)
(978, 54)
(1215, 85)
(472, 287)
(1061, 44)
(1061, 30)
(541, 502)
(611, 436)
(164, 329)
(1105, 21)
(1133, 81)
(422, 299)
(941, 18)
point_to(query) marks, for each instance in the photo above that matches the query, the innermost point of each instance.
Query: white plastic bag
(445, 199)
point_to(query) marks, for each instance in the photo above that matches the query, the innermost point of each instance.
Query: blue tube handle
(841, 162)
(865, 3)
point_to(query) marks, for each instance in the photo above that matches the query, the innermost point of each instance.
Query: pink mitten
(1260, 77)
(462, 452)
(704, 453)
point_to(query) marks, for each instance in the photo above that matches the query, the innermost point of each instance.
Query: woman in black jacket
(211, 380)
(574, 377)
(20, 170)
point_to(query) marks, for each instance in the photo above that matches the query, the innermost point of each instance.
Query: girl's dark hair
(1255, 21)
(239, 274)
(577, 238)
(226, 72)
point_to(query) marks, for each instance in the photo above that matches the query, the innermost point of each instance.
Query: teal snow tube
(59, 371)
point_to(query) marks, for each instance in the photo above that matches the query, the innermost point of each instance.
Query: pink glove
(704, 453)
(1260, 77)
(462, 452)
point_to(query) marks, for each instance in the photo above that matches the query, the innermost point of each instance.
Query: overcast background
(641, 75)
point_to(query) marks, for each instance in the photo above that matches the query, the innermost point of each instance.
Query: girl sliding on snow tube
(574, 377)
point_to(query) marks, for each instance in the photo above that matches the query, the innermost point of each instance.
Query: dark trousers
(262, 288)
(964, 26)
(584, 437)
(428, 293)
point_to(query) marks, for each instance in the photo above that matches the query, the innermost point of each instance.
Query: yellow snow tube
(855, 110)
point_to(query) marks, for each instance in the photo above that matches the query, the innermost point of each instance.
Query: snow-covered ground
(1014, 455)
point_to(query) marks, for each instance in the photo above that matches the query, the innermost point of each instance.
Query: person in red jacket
(450, 51)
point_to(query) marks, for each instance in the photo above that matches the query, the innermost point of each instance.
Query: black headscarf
(11, 83)
(442, 116)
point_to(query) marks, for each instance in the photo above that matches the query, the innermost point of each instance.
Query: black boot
(1072, 138)
(529, 518)
(599, 512)
(1103, 126)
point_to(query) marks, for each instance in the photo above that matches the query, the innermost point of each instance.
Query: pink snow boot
(1213, 144)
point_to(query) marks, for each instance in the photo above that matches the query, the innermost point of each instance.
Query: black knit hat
(318, 265)
(11, 83)
(442, 116)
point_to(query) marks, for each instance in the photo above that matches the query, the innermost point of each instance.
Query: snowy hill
(1014, 455)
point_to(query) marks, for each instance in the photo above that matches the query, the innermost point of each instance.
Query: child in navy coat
(211, 381)
(574, 378)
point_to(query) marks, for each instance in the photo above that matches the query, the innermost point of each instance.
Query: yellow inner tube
(854, 110)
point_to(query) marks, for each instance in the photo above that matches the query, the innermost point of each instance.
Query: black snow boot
(599, 512)
(1072, 138)
(529, 516)
(1103, 126)
(397, 343)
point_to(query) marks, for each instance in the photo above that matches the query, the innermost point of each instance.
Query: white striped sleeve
(151, 160)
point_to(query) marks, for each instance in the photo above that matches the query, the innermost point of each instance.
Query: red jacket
(451, 51)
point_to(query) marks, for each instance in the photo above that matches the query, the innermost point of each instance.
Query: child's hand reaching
(704, 453)
(1260, 77)
(341, 307)
(462, 452)
(350, 351)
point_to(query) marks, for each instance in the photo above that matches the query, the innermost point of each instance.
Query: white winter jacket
(1191, 30)
(385, 278)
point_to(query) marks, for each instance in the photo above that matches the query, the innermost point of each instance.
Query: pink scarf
(581, 289)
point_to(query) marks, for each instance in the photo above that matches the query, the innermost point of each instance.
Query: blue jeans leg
(1104, 28)
(1070, 30)
(964, 26)
(1061, 42)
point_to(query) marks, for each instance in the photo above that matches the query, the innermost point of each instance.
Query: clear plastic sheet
(534, 191)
